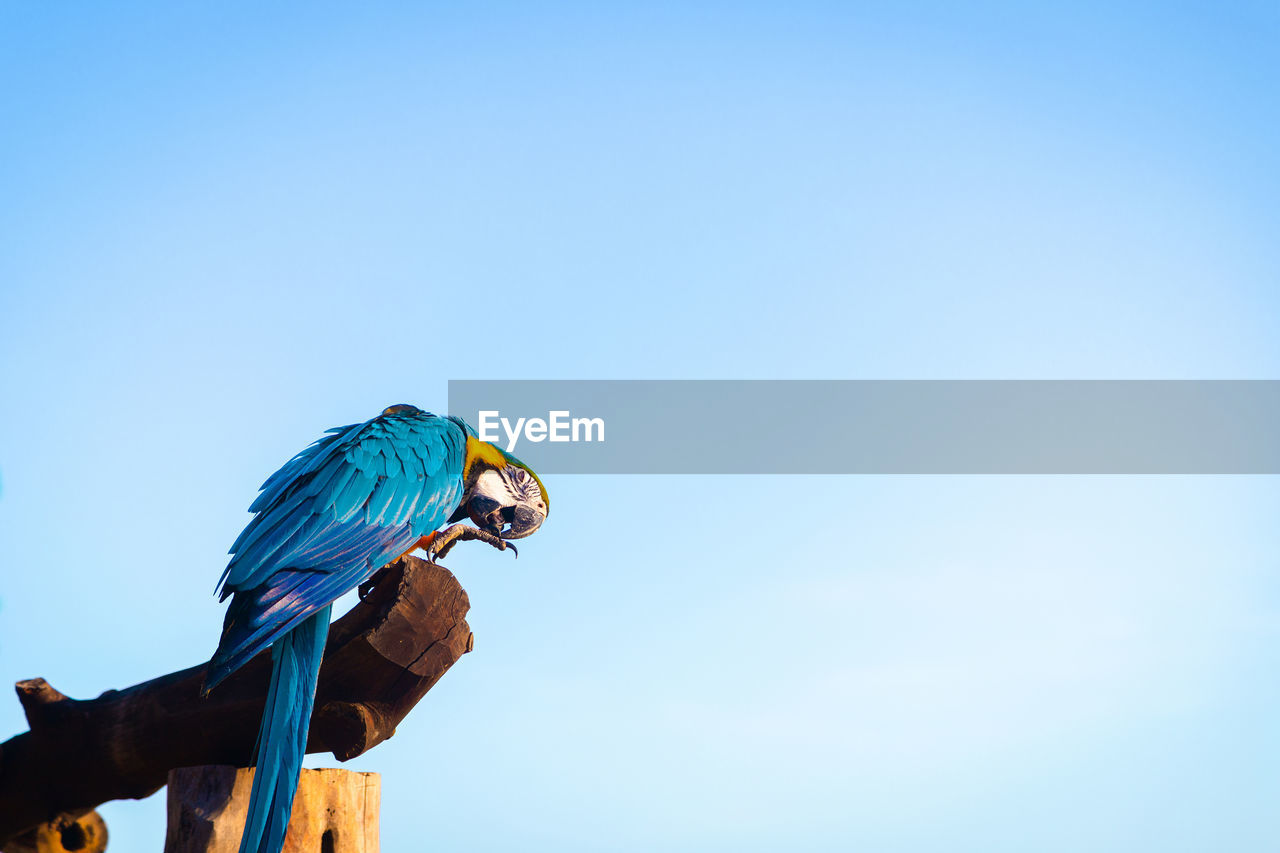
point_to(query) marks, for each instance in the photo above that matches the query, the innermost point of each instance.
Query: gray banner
(879, 427)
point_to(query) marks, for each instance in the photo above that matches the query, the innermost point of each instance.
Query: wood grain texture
(334, 811)
(381, 658)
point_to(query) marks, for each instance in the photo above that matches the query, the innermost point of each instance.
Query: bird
(354, 501)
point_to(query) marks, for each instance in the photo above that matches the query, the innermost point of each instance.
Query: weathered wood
(381, 658)
(85, 834)
(334, 811)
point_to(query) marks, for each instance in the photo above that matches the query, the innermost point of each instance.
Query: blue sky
(229, 228)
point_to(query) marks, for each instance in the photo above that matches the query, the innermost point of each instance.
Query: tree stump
(334, 811)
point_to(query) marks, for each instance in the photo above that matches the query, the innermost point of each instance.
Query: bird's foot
(374, 579)
(443, 541)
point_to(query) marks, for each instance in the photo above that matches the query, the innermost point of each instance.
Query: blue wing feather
(354, 495)
(392, 459)
(290, 472)
(376, 508)
(296, 662)
(331, 516)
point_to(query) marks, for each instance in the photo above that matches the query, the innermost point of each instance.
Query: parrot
(354, 501)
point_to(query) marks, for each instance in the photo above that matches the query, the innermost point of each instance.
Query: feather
(327, 496)
(353, 496)
(392, 462)
(308, 543)
(377, 503)
(282, 738)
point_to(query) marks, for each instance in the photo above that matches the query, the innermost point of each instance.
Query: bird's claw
(367, 587)
(451, 536)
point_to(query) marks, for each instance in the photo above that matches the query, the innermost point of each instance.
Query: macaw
(355, 500)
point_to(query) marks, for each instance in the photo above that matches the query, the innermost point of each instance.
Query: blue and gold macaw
(351, 503)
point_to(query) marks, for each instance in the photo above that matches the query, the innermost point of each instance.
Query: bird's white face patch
(506, 502)
(509, 487)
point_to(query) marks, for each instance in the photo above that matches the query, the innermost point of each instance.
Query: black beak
(509, 522)
(525, 521)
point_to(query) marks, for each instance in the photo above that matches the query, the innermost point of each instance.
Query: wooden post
(334, 811)
(382, 657)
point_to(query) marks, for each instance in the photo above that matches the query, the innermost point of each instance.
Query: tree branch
(381, 658)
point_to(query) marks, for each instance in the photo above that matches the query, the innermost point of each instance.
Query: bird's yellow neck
(481, 452)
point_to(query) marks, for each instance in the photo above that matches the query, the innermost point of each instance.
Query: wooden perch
(381, 658)
(334, 811)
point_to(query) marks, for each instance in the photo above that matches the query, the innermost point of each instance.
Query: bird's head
(503, 495)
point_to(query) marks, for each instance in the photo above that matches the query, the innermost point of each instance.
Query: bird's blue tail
(282, 740)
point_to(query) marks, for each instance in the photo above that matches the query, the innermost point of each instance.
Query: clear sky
(226, 228)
